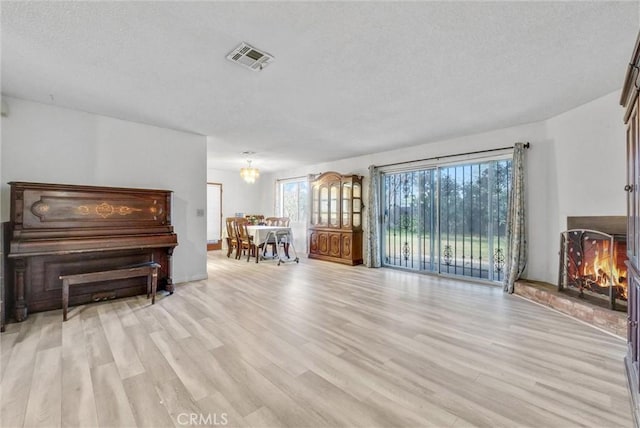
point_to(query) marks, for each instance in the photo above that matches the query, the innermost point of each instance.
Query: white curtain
(516, 222)
(373, 216)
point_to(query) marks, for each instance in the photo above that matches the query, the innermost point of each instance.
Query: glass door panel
(408, 220)
(315, 209)
(633, 220)
(357, 205)
(346, 205)
(473, 209)
(357, 190)
(333, 205)
(450, 220)
(324, 205)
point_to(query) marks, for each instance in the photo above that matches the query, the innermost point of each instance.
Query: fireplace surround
(592, 258)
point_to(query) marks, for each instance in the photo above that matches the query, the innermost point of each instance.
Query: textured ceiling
(348, 78)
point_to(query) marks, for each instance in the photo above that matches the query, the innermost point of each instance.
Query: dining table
(264, 234)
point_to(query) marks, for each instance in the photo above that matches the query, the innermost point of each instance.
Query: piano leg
(169, 287)
(20, 309)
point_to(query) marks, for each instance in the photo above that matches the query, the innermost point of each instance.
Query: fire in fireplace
(593, 262)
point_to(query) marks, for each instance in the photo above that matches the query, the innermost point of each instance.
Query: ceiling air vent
(250, 57)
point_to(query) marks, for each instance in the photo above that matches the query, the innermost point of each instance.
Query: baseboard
(195, 277)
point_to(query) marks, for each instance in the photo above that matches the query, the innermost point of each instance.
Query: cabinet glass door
(357, 205)
(631, 173)
(333, 205)
(324, 205)
(346, 204)
(315, 206)
(635, 187)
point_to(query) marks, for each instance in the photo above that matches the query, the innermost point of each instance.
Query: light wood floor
(311, 345)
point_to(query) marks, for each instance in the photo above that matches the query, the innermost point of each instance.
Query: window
(447, 219)
(293, 198)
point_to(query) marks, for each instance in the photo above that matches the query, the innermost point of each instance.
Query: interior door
(214, 216)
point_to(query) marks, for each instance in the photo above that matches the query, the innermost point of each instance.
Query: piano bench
(150, 270)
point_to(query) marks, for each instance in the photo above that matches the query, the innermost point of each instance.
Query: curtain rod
(526, 146)
(302, 177)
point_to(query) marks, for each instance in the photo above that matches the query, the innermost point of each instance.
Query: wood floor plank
(45, 408)
(258, 391)
(335, 401)
(449, 393)
(123, 351)
(218, 411)
(127, 317)
(139, 307)
(78, 404)
(191, 321)
(145, 403)
(51, 334)
(194, 380)
(304, 396)
(314, 344)
(168, 321)
(149, 354)
(98, 349)
(261, 348)
(263, 417)
(574, 414)
(112, 404)
(17, 380)
(7, 341)
(178, 401)
(228, 379)
(242, 341)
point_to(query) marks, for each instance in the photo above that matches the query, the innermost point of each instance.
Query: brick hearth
(590, 310)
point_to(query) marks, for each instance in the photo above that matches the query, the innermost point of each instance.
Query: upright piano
(58, 229)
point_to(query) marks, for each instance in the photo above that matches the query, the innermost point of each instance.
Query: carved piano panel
(66, 229)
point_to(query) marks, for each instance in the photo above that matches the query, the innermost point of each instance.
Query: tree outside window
(294, 198)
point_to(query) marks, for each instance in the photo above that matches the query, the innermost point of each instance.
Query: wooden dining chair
(271, 221)
(245, 241)
(232, 238)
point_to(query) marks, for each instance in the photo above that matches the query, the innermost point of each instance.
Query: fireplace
(592, 261)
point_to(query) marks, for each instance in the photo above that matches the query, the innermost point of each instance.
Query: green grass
(471, 245)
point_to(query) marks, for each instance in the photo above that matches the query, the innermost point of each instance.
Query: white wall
(590, 159)
(579, 171)
(43, 143)
(576, 166)
(237, 195)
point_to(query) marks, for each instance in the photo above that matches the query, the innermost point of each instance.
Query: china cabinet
(335, 232)
(630, 101)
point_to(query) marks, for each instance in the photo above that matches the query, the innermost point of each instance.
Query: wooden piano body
(69, 229)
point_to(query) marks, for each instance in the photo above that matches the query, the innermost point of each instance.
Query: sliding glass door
(449, 219)
(410, 219)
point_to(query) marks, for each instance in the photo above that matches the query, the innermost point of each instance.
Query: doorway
(214, 216)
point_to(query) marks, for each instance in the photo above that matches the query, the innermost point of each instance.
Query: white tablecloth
(260, 233)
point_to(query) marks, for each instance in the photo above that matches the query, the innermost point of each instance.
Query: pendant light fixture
(249, 173)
